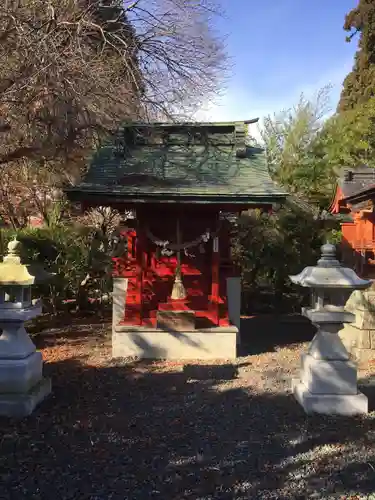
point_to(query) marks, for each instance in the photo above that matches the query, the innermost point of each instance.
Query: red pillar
(131, 244)
(144, 276)
(133, 307)
(142, 263)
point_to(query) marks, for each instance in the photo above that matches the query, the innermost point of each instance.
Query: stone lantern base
(330, 404)
(328, 382)
(22, 385)
(20, 405)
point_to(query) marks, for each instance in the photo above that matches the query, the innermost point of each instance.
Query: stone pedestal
(359, 337)
(330, 404)
(120, 287)
(22, 386)
(328, 382)
(155, 343)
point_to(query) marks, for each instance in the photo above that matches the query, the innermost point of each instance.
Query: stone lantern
(22, 385)
(328, 381)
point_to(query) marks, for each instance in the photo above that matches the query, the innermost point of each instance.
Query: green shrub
(269, 248)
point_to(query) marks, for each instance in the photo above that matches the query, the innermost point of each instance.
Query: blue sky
(279, 49)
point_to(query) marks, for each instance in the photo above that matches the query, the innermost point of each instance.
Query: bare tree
(182, 60)
(27, 192)
(71, 70)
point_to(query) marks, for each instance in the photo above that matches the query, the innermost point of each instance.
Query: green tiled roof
(193, 162)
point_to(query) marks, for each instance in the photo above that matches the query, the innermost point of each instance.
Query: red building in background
(354, 197)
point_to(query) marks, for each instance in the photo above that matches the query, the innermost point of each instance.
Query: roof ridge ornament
(328, 256)
(13, 251)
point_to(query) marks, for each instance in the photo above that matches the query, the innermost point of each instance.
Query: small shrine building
(354, 197)
(176, 289)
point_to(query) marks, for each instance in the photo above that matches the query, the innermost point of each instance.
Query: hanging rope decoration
(168, 248)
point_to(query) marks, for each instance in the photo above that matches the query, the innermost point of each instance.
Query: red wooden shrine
(179, 179)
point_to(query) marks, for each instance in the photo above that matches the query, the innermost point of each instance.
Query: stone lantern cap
(329, 273)
(13, 272)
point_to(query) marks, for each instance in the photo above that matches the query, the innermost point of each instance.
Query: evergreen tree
(348, 138)
(359, 85)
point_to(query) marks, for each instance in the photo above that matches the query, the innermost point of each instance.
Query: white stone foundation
(20, 375)
(330, 404)
(23, 404)
(328, 381)
(321, 376)
(153, 343)
(120, 288)
(328, 385)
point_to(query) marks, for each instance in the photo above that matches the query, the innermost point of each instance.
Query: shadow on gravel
(48, 330)
(133, 432)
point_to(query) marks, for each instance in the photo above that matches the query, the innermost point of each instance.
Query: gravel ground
(161, 430)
